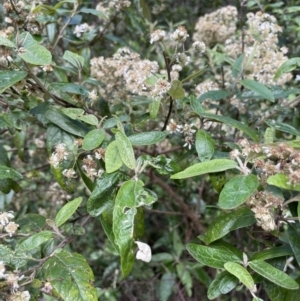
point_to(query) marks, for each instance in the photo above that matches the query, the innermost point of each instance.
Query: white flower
(199, 46)
(173, 127)
(2, 270)
(93, 95)
(180, 34)
(144, 252)
(81, 28)
(5, 217)
(157, 35)
(11, 228)
(297, 79)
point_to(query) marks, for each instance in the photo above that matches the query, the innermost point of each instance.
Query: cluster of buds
(5, 223)
(12, 280)
(59, 155)
(186, 129)
(90, 167)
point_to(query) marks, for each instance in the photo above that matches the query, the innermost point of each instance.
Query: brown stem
(189, 212)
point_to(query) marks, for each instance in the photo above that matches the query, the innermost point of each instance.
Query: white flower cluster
(80, 29)
(186, 129)
(12, 280)
(59, 155)
(123, 74)
(6, 224)
(217, 26)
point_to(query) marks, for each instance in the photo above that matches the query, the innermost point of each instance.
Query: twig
(60, 35)
(190, 213)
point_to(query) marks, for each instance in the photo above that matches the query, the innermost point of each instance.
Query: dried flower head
(157, 36)
(11, 228)
(180, 34)
(199, 46)
(174, 127)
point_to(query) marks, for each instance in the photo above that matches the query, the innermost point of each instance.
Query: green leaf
(125, 150)
(74, 59)
(73, 113)
(193, 75)
(93, 139)
(215, 258)
(277, 293)
(258, 88)
(273, 252)
(280, 180)
(185, 278)
(34, 53)
(166, 286)
(67, 211)
(102, 194)
(154, 108)
(31, 222)
(93, 12)
(176, 91)
(147, 138)
(222, 284)
(287, 67)
(6, 42)
(113, 159)
(106, 219)
(237, 191)
(34, 241)
(70, 276)
(66, 123)
(274, 275)
(283, 127)
(213, 95)
(242, 217)
(9, 78)
(198, 169)
(205, 145)
(196, 105)
(130, 196)
(89, 119)
(294, 239)
(241, 273)
(6, 254)
(9, 173)
(231, 122)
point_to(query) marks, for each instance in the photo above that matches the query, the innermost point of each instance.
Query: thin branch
(60, 35)
(189, 212)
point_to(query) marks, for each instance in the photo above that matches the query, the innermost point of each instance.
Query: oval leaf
(241, 273)
(67, 211)
(113, 159)
(198, 169)
(274, 275)
(9, 78)
(9, 173)
(242, 217)
(215, 258)
(222, 284)
(74, 59)
(283, 127)
(287, 66)
(147, 138)
(34, 241)
(93, 139)
(176, 91)
(237, 191)
(231, 122)
(281, 180)
(205, 145)
(70, 276)
(258, 88)
(34, 53)
(6, 42)
(102, 194)
(125, 150)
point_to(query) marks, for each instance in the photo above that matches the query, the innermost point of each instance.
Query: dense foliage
(149, 150)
